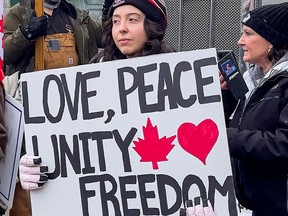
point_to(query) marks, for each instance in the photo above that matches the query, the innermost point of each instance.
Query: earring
(269, 49)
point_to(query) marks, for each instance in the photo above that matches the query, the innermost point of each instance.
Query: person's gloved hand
(32, 173)
(201, 207)
(36, 27)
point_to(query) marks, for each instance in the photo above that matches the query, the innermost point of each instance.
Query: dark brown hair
(154, 45)
(276, 54)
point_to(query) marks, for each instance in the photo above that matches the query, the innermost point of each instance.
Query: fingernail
(37, 160)
(205, 202)
(43, 169)
(182, 212)
(40, 184)
(197, 200)
(43, 178)
(189, 203)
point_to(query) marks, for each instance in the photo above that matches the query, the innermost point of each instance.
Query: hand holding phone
(229, 69)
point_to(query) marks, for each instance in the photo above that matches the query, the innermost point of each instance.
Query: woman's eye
(247, 33)
(115, 21)
(132, 20)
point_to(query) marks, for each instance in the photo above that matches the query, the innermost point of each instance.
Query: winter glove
(202, 207)
(36, 27)
(208, 209)
(32, 173)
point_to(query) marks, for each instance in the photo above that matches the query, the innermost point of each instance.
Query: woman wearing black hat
(135, 28)
(258, 132)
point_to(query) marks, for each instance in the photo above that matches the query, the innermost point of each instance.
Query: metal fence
(192, 24)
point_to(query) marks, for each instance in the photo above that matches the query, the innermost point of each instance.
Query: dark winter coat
(259, 145)
(88, 35)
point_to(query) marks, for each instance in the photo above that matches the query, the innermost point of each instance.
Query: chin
(246, 59)
(125, 52)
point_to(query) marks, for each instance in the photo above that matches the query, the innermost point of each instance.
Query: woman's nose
(123, 27)
(240, 41)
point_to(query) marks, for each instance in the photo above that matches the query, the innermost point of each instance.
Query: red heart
(198, 140)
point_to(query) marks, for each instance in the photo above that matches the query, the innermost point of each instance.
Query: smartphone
(231, 73)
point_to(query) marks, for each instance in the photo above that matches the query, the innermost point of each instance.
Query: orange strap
(39, 43)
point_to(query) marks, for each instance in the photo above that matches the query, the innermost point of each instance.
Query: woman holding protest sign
(258, 130)
(135, 28)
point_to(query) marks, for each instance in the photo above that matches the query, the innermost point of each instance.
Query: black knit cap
(271, 22)
(155, 10)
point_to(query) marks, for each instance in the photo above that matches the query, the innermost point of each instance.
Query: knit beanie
(271, 22)
(155, 10)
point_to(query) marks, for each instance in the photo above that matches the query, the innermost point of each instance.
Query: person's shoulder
(17, 7)
(82, 12)
(77, 9)
(78, 13)
(19, 10)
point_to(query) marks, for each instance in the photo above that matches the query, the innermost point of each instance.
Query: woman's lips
(124, 41)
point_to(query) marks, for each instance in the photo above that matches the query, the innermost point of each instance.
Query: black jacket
(258, 146)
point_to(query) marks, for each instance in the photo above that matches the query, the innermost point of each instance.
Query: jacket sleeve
(229, 104)
(15, 43)
(95, 31)
(88, 33)
(3, 133)
(262, 146)
(95, 37)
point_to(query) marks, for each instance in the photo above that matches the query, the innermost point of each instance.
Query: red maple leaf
(151, 148)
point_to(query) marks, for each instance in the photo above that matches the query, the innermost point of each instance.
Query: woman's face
(255, 47)
(128, 29)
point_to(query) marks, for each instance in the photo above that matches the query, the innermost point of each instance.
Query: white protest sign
(129, 137)
(9, 166)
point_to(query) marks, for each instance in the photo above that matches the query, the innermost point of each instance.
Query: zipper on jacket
(251, 95)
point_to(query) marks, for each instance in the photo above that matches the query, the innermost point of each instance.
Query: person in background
(258, 128)
(135, 28)
(71, 38)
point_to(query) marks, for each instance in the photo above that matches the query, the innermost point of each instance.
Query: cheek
(260, 52)
(113, 34)
(140, 31)
(142, 36)
(114, 37)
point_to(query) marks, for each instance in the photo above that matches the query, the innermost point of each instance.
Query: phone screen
(228, 67)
